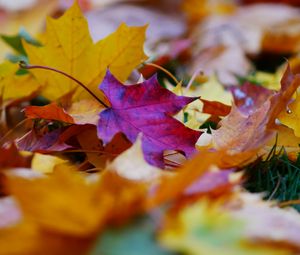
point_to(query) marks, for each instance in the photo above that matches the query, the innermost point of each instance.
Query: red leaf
(215, 108)
(50, 112)
(146, 108)
(11, 157)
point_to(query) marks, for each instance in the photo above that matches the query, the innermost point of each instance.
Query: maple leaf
(291, 118)
(95, 203)
(215, 108)
(50, 112)
(15, 86)
(51, 141)
(207, 228)
(258, 121)
(89, 141)
(68, 47)
(146, 108)
(172, 187)
(259, 217)
(250, 96)
(85, 111)
(82, 112)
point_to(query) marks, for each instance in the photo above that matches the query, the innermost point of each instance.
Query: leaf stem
(164, 70)
(288, 203)
(197, 72)
(24, 65)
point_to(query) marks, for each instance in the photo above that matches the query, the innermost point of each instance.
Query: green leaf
(15, 41)
(133, 239)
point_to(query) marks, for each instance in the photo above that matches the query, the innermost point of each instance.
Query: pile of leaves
(194, 150)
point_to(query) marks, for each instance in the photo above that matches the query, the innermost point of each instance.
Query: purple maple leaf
(146, 108)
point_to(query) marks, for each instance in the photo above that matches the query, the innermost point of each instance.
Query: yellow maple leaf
(68, 47)
(291, 118)
(29, 239)
(66, 202)
(14, 86)
(206, 228)
(32, 19)
(50, 201)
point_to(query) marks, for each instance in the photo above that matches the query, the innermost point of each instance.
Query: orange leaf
(215, 108)
(50, 112)
(173, 186)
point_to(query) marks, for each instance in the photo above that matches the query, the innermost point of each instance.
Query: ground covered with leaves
(180, 136)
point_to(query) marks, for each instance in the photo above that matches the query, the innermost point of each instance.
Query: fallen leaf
(49, 112)
(79, 217)
(259, 122)
(219, 60)
(264, 222)
(215, 108)
(11, 157)
(172, 187)
(85, 111)
(119, 240)
(232, 135)
(97, 154)
(146, 108)
(290, 117)
(14, 86)
(10, 213)
(68, 47)
(49, 142)
(32, 19)
(206, 228)
(45, 163)
(55, 222)
(249, 96)
(30, 239)
(131, 164)
(210, 182)
(251, 28)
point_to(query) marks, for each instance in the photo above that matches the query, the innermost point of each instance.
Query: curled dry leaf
(259, 122)
(249, 97)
